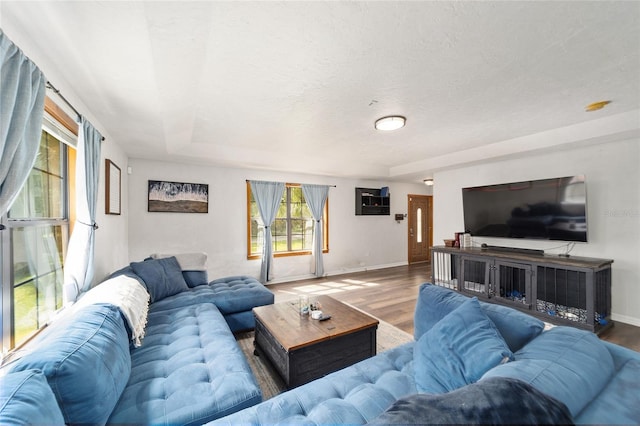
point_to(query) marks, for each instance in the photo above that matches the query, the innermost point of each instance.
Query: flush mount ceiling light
(596, 106)
(428, 182)
(392, 122)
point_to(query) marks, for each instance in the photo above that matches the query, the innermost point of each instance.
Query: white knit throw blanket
(128, 295)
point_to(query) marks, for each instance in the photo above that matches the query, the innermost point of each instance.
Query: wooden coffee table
(303, 349)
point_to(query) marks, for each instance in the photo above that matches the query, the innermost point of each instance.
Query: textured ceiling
(297, 86)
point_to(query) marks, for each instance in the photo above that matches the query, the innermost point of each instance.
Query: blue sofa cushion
(85, 357)
(235, 297)
(490, 402)
(162, 277)
(569, 364)
(239, 294)
(195, 278)
(354, 395)
(194, 296)
(516, 328)
(619, 402)
(241, 321)
(458, 350)
(25, 396)
(189, 370)
(435, 302)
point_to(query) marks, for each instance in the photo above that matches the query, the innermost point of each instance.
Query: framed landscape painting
(178, 197)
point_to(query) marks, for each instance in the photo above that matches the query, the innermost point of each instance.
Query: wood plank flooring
(390, 294)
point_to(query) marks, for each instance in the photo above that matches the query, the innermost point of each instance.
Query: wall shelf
(372, 201)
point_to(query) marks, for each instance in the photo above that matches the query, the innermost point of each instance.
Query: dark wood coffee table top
(294, 331)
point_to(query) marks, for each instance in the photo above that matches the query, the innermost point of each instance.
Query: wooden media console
(574, 291)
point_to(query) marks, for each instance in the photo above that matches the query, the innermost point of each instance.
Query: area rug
(271, 384)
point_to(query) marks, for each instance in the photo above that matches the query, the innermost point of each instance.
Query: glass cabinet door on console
(476, 276)
(513, 283)
(444, 269)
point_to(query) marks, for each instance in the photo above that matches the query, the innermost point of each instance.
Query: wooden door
(419, 231)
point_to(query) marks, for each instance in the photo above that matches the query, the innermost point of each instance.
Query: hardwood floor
(390, 294)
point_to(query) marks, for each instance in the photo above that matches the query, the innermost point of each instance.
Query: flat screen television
(551, 209)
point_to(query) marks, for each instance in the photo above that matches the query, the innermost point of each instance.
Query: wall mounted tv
(551, 209)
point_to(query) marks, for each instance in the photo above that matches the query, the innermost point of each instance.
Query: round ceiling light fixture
(428, 182)
(391, 122)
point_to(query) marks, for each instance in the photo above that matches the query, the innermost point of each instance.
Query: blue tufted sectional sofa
(471, 362)
(162, 353)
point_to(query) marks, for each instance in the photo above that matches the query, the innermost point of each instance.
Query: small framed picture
(113, 188)
(178, 197)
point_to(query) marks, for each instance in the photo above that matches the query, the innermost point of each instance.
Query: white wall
(613, 210)
(112, 245)
(355, 242)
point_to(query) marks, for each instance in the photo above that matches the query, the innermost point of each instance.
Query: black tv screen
(552, 209)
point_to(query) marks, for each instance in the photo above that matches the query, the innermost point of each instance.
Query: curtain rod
(57, 92)
(333, 186)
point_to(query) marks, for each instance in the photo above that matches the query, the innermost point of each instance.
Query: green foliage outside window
(38, 234)
(43, 194)
(292, 229)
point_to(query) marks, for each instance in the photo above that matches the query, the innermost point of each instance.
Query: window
(292, 230)
(419, 225)
(36, 239)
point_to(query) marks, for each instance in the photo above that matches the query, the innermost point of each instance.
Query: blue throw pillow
(162, 277)
(25, 396)
(195, 278)
(434, 302)
(569, 364)
(458, 350)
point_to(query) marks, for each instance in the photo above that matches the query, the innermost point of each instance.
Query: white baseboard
(339, 272)
(366, 268)
(291, 278)
(626, 319)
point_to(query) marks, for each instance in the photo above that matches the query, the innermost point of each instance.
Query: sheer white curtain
(316, 197)
(22, 88)
(267, 196)
(78, 268)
